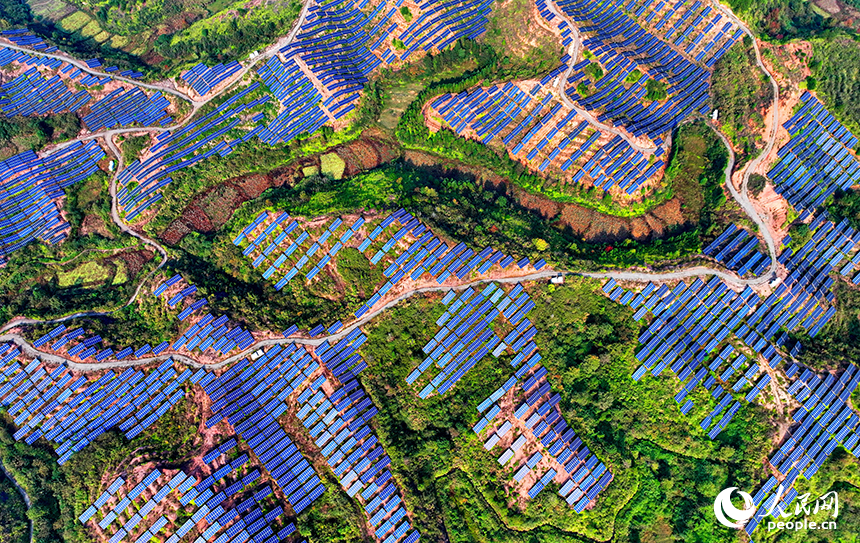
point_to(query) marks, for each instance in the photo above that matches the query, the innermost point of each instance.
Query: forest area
(741, 93)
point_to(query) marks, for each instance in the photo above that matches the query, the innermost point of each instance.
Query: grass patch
(91, 29)
(75, 21)
(88, 273)
(332, 165)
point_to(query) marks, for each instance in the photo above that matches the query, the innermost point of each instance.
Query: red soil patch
(211, 209)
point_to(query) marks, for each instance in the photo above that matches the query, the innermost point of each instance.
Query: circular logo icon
(730, 516)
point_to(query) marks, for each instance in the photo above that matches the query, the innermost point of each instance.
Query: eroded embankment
(211, 209)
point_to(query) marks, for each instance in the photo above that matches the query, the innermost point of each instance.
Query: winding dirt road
(741, 196)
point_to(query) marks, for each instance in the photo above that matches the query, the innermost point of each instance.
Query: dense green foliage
(25, 133)
(741, 91)
(836, 67)
(800, 234)
(696, 174)
(14, 525)
(133, 146)
(249, 157)
(666, 470)
(845, 204)
(781, 19)
(229, 37)
(15, 13)
(655, 90)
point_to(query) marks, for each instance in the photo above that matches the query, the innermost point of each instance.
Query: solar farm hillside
(389, 271)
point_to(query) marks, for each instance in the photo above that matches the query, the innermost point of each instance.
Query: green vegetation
(836, 67)
(14, 525)
(655, 90)
(513, 34)
(59, 494)
(413, 133)
(756, 184)
(40, 280)
(357, 273)
(844, 204)
(594, 71)
(781, 19)
(247, 158)
(583, 89)
(334, 517)
(839, 474)
(741, 91)
(19, 134)
(633, 77)
(229, 35)
(695, 172)
(332, 165)
(407, 15)
(800, 234)
(133, 146)
(667, 471)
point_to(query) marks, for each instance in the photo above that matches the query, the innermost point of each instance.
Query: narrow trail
(741, 196)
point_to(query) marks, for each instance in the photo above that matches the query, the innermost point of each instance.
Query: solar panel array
(72, 412)
(251, 395)
(141, 183)
(122, 108)
(568, 142)
(621, 45)
(706, 33)
(320, 73)
(289, 249)
(739, 251)
(203, 78)
(338, 424)
(817, 160)
(300, 102)
(538, 420)
(537, 416)
(826, 421)
(466, 335)
(609, 35)
(274, 239)
(24, 38)
(228, 505)
(209, 331)
(29, 188)
(31, 93)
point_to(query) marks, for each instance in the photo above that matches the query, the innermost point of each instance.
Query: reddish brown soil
(136, 260)
(211, 209)
(591, 225)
